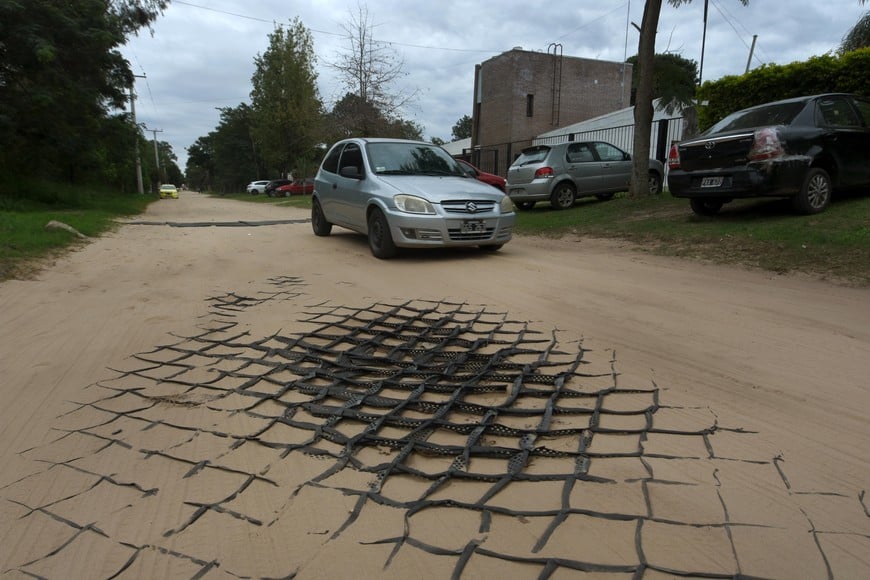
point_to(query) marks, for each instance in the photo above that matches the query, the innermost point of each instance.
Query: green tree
(286, 107)
(674, 80)
(462, 128)
(353, 116)
(235, 151)
(60, 75)
(643, 107)
(199, 172)
(858, 36)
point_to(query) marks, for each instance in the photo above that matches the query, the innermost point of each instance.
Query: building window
(530, 105)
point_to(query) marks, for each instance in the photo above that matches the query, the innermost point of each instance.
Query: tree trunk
(643, 108)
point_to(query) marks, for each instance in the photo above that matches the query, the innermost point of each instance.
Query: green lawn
(24, 239)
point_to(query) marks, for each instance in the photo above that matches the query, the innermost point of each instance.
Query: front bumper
(420, 231)
(778, 178)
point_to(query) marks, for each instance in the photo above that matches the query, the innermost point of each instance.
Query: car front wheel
(319, 224)
(563, 196)
(380, 239)
(815, 195)
(706, 207)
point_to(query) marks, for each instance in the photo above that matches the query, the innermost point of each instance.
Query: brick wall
(589, 88)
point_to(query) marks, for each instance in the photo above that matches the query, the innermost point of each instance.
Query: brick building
(520, 94)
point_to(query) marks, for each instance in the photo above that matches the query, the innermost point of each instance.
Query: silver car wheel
(818, 191)
(815, 195)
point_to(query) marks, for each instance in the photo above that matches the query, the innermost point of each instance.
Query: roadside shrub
(829, 73)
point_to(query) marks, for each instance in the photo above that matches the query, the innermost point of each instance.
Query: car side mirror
(628, 156)
(351, 171)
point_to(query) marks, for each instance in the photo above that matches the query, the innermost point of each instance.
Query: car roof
(383, 140)
(803, 99)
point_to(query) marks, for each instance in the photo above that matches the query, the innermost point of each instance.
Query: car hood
(440, 188)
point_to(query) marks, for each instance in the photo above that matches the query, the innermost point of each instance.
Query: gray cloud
(201, 54)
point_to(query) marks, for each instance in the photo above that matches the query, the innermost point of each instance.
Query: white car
(257, 187)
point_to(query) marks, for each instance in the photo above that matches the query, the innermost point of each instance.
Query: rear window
(779, 114)
(532, 155)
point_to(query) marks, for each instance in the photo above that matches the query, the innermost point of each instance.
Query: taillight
(674, 158)
(544, 172)
(766, 145)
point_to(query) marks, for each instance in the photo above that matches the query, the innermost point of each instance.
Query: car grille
(468, 206)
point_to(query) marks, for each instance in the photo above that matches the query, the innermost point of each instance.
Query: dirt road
(212, 391)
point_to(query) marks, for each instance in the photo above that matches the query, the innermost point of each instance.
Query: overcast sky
(201, 54)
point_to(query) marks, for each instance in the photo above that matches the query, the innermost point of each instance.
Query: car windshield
(778, 114)
(411, 159)
(533, 155)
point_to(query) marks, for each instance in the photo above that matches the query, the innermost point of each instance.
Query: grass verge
(25, 242)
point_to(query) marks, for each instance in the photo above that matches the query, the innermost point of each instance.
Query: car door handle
(334, 186)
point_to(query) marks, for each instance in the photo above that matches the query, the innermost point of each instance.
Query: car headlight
(506, 205)
(413, 204)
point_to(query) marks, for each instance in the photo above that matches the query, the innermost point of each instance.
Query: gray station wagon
(563, 172)
(407, 194)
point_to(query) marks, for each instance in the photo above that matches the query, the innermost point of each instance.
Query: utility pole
(139, 187)
(156, 156)
(703, 43)
(751, 50)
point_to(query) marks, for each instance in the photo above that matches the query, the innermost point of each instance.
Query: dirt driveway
(214, 392)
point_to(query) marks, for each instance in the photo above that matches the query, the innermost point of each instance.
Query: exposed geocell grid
(417, 406)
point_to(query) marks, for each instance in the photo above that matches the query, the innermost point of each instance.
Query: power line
(392, 42)
(728, 18)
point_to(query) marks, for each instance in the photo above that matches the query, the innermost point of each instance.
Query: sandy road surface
(244, 400)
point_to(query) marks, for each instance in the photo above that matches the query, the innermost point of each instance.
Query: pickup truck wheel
(563, 196)
(319, 224)
(815, 194)
(380, 239)
(705, 207)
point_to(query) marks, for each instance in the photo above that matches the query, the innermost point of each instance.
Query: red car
(488, 178)
(297, 187)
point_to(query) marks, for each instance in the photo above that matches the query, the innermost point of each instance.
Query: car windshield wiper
(395, 172)
(438, 172)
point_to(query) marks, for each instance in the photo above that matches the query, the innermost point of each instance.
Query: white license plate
(711, 181)
(472, 227)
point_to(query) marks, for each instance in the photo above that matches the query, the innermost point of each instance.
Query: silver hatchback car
(563, 172)
(407, 194)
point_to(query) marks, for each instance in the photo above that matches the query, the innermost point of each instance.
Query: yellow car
(168, 190)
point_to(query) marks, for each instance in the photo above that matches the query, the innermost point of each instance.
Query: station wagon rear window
(532, 155)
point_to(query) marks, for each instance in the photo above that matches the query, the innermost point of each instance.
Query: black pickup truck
(799, 148)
